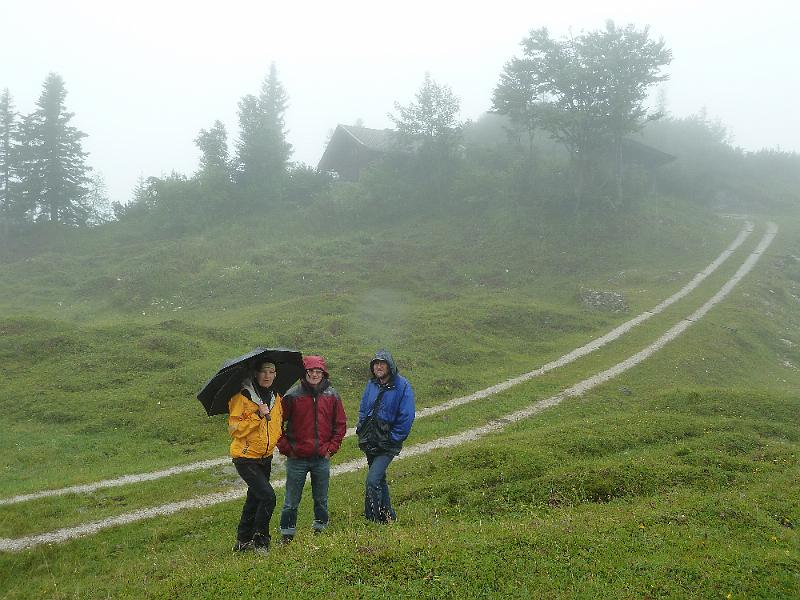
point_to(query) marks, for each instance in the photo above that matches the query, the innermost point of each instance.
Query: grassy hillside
(676, 479)
(139, 327)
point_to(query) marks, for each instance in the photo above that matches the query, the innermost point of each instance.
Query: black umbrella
(228, 379)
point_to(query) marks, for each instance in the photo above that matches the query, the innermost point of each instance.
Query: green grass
(122, 383)
(676, 479)
(676, 494)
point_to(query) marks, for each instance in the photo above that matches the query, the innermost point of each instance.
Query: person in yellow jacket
(254, 422)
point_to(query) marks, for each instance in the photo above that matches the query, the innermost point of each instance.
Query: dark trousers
(260, 502)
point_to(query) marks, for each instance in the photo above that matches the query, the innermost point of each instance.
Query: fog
(144, 77)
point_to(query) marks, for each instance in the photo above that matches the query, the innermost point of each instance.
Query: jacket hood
(315, 362)
(384, 355)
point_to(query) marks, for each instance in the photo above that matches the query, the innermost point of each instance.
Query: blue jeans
(377, 502)
(260, 501)
(296, 470)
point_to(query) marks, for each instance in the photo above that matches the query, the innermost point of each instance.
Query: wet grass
(676, 479)
(674, 494)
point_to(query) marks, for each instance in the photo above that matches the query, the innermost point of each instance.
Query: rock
(603, 300)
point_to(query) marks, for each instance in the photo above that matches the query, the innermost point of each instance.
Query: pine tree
(273, 102)
(250, 145)
(54, 182)
(262, 152)
(9, 141)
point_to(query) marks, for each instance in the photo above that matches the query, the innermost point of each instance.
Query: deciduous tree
(429, 124)
(520, 96)
(587, 92)
(213, 145)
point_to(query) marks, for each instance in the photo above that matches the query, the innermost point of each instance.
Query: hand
(263, 410)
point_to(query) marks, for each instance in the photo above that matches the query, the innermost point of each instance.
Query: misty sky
(144, 77)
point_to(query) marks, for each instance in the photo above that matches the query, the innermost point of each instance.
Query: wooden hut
(351, 148)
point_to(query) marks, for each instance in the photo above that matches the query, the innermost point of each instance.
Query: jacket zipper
(316, 426)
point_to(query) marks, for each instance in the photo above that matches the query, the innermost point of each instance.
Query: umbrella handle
(266, 416)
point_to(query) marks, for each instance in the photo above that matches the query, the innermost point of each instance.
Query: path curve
(494, 425)
(432, 410)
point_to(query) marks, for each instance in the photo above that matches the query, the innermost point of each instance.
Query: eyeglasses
(315, 371)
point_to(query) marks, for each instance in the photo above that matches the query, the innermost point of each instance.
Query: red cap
(315, 362)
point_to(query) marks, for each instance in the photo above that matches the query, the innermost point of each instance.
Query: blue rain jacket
(397, 404)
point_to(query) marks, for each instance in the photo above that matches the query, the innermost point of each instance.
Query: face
(381, 369)
(314, 376)
(265, 377)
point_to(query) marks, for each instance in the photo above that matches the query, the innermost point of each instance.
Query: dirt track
(445, 442)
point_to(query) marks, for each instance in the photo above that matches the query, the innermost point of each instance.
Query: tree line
(257, 173)
(44, 176)
(568, 117)
(561, 111)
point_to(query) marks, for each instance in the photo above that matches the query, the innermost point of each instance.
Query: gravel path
(494, 425)
(425, 412)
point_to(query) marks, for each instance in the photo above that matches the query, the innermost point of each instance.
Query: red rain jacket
(314, 423)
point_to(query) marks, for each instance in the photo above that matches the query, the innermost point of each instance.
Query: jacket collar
(315, 389)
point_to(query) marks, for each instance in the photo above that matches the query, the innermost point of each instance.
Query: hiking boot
(319, 526)
(286, 539)
(240, 546)
(261, 543)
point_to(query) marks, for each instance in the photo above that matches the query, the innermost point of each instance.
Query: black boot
(241, 546)
(261, 543)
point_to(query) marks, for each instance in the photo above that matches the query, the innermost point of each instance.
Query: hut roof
(351, 148)
(634, 151)
(374, 139)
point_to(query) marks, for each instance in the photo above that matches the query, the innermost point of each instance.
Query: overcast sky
(143, 77)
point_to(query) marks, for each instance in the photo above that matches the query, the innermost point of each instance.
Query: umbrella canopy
(228, 379)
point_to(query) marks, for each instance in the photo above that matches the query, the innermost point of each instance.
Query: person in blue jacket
(395, 399)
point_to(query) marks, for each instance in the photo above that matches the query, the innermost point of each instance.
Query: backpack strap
(377, 405)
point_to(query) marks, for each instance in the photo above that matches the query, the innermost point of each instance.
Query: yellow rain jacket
(253, 436)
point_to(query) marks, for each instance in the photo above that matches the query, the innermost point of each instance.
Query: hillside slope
(589, 500)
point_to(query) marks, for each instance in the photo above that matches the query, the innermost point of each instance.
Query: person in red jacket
(314, 424)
